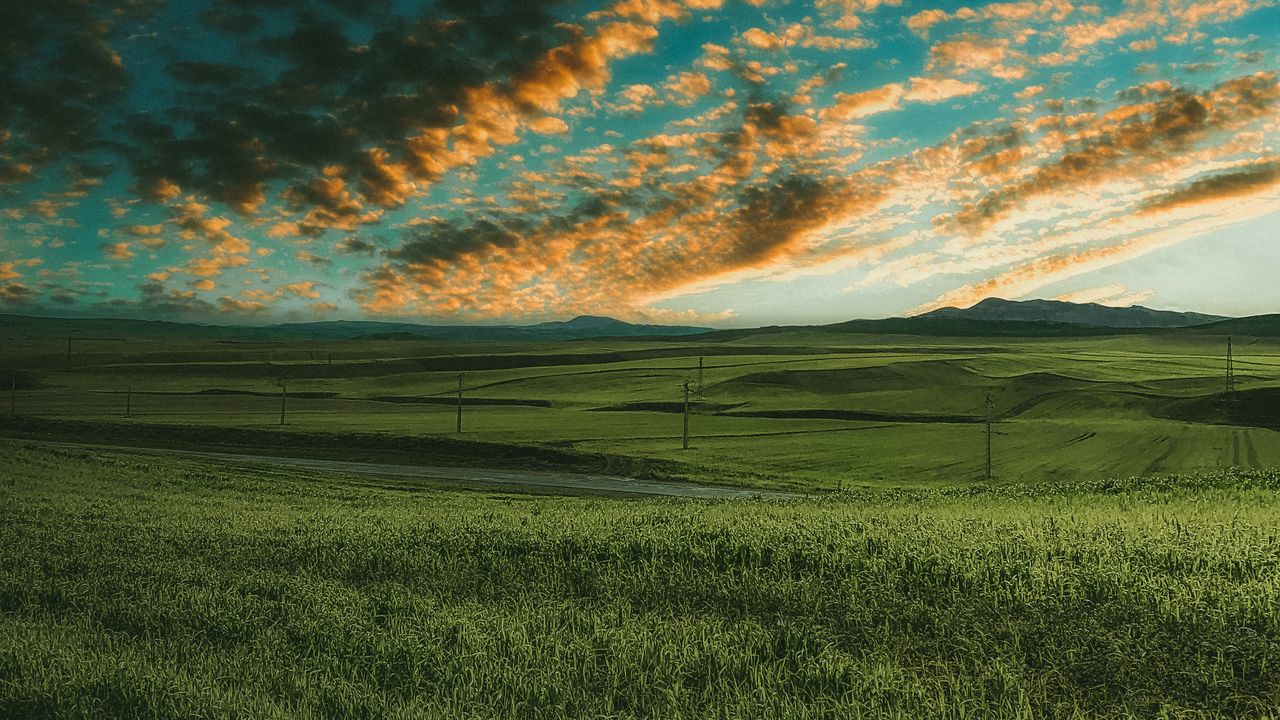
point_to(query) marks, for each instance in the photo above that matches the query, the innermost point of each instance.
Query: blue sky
(724, 162)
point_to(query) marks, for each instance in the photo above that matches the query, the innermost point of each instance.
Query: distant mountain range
(582, 327)
(990, 318)
(579, 328)
(996, 317)
(1089, 314)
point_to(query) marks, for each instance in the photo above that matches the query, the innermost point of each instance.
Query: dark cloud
(977, 141)
(204, 73)
(332, 99)
(16, 294)
(441, 241)
(355, 245)
(157, 301)
(16, 173)
(228, 19)
(60, 77)
(770, 215)
(1216, 187)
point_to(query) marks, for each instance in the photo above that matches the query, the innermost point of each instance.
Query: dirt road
(569, 483)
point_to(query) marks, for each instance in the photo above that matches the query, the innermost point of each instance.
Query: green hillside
(795, 408)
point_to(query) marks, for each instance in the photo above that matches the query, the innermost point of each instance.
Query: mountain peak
(1059, 311)
(587, 321)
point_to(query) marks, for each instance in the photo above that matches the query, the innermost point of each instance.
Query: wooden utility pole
(699, 377)
(991, 404)
(284, 391)
(1231, 370)
(128, 399)
(68, 349)
(460, 377)
(13, 394)
(685, 387)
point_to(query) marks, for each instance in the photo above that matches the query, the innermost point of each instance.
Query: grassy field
(136, 586)
(795, 409)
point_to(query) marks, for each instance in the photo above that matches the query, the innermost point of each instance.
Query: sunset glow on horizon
(711, 162)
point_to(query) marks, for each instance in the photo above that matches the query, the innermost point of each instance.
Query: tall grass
(158, 588)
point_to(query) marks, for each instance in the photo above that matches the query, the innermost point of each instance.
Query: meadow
(144, 586)
(795, 409)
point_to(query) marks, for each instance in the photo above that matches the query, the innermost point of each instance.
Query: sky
(728, 163)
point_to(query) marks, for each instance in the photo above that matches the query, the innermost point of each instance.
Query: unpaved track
(568, 483)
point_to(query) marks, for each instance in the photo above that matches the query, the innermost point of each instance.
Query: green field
(903, 585)
(801, 409)
(136, 586)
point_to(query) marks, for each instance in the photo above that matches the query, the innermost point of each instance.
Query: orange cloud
(1113, 295)
(761, 40)
(305, 289)
(652, 11)
(852, 106)
(977, 53)
(117, 251)
(549, 125)
(686, 87)
(936, 90)
(230, 305)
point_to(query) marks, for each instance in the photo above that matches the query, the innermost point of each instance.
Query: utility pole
(1231, 370)
(699, 377)
(13, 394)
(284, 390)
(991, 404)
(460, 377)
(68, 349)
(128, 399)
(685, 386)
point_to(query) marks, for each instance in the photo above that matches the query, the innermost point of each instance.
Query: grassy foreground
(145, 587)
